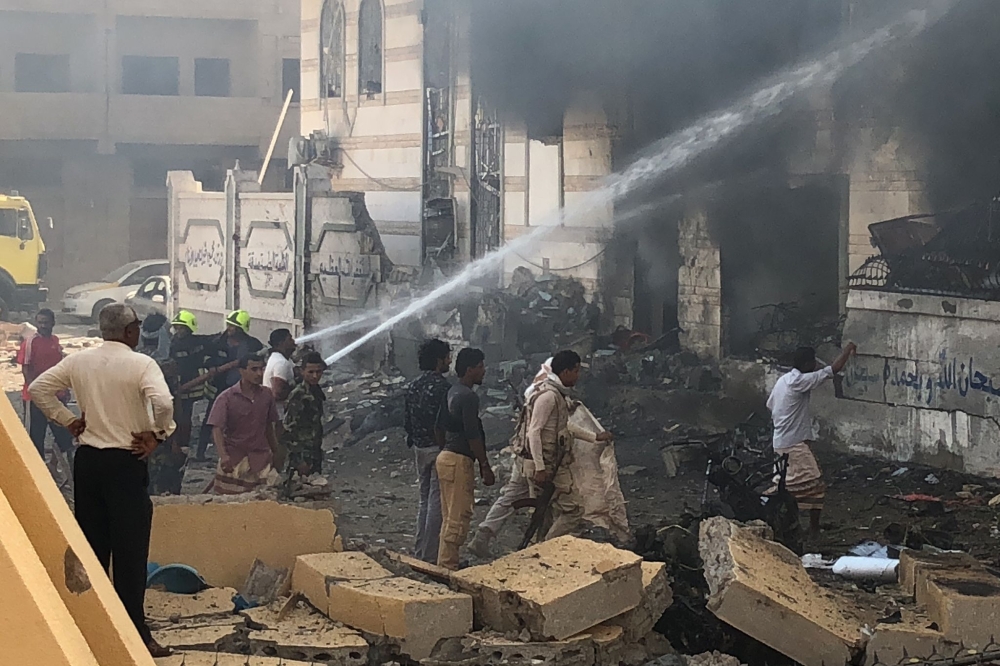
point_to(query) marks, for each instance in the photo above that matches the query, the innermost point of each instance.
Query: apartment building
(99, 99)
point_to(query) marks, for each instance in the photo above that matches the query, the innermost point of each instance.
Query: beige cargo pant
(565, 515)
(457, 481)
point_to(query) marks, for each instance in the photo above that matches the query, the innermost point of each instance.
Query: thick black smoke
(657, 63)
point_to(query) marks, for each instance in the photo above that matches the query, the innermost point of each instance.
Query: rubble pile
(552, 312)
(947, 605)
(565, 602)
(367, 403)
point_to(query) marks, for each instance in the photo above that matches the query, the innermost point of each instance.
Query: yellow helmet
(239, 319)
(186, 319)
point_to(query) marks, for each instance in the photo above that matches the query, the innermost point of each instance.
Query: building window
(211, 77)
(146, 75)
(331, 34)
(290, 78)
(34, 72)
(370, 48)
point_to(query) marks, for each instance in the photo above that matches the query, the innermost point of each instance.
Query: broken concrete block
(761, 588)
(656, 599)
(916, 565)
(910, 639)
(222, 540)
(304, 634)
(414, 614)
(555, 589)
(265, 583)
(191, 658)
(168, 607)
(314, 574)
(486, 648)
(609, 644)
(965, 605)
(219, 635)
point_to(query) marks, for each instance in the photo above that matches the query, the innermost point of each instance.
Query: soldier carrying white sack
(543, 450)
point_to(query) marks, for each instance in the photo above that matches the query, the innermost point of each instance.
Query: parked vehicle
(22, 256)
(86, 300)
(153, 296)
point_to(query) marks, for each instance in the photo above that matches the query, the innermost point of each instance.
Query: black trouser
(205, 434)
(116, 515)
(38, 424)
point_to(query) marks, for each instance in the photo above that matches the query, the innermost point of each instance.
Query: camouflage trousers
(310, 456)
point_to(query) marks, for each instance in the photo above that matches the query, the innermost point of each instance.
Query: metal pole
(274, 137)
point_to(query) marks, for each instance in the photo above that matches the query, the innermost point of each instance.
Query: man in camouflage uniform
(303, 436)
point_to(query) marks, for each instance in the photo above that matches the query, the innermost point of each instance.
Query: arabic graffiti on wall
(346, 278)
(267, 258)
(931, 384)
(203, 253)
(345, 265)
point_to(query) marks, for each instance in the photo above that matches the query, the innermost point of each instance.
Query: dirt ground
(375, 494)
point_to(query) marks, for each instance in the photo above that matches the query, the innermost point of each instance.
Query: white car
(86, 300)
(152, 296)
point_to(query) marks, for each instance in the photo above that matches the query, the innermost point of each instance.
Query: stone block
(192, 658)
(168, 607)
(304, 634)
(314, 574)
(910, 639)
(609, 644)
(222, 540)
(965, 605)
(415, 615)
(656, 599)
(555, 589)
(212, 635)
(486, 648)
(916, 565)
(761, 588)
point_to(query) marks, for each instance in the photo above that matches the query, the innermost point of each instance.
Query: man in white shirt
(793, 427)
(126, 411)
(279, 373)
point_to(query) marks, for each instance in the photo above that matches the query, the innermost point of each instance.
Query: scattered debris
(761, 588)
(301, 633)
(264, 584)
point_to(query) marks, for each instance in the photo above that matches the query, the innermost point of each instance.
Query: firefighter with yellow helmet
(225, 354)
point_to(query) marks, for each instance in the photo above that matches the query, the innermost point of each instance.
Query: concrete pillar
(699, 286)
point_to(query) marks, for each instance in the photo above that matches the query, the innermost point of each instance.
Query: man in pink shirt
(243, 420)
(38, 353)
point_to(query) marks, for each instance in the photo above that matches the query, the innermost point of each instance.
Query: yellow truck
(22, 256)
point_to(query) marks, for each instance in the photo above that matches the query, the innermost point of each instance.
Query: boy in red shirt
(37, 354)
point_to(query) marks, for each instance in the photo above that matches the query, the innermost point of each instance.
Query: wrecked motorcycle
(750, 479)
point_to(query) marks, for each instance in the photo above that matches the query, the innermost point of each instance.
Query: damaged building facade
(456, 159)
(460, 127)
(101, 99)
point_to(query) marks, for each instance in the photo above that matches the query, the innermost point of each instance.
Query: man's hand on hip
(77, 427)
(144, 443)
